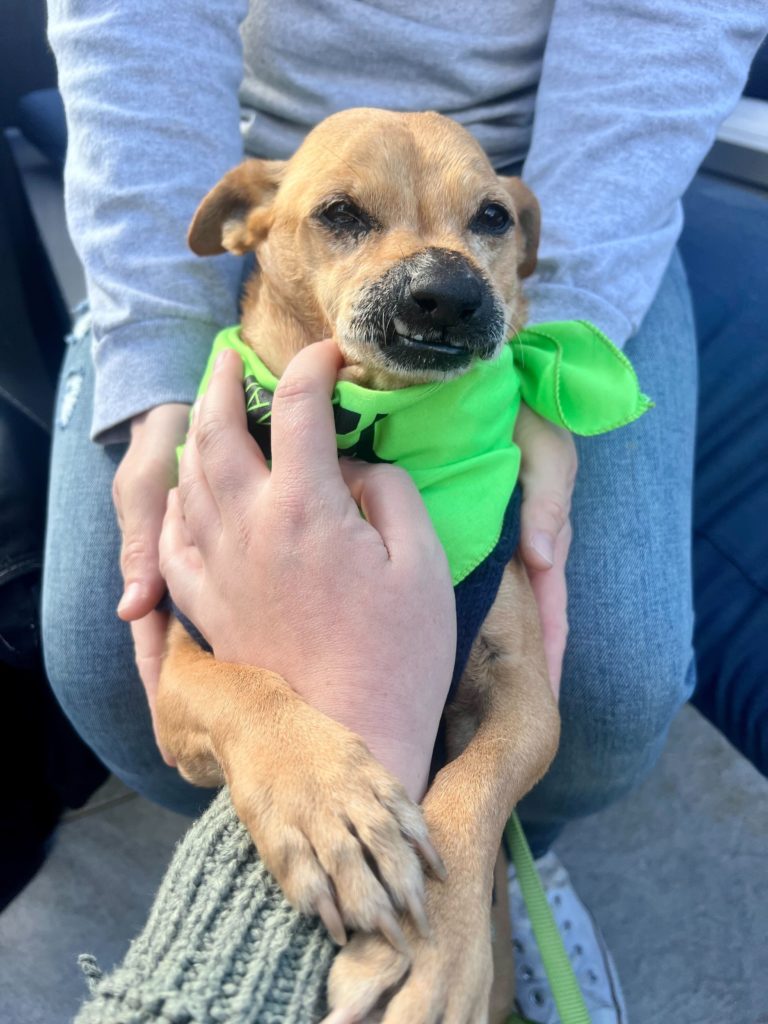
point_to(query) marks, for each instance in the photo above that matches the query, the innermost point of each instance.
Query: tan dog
(392, 233)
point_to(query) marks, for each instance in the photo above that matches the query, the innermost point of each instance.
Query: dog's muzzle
(432, 311)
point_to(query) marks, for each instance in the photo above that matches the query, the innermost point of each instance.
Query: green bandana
(455, 438)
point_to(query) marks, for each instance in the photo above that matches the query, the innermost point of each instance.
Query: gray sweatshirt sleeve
(630, 97)
(150, 92)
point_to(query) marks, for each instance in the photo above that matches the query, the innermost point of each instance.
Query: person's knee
(616, 708)
(90, 666)
(87, 655)
(90, 675)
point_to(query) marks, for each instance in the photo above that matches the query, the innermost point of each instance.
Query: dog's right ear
(236, 214)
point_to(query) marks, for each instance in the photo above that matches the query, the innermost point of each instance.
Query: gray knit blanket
(221, 945)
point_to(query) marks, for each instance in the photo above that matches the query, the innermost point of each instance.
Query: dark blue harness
(477, 592)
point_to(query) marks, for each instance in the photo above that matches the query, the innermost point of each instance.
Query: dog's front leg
(334, 827)
(502, 734)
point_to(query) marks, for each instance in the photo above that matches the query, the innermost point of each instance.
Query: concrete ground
(676, 875)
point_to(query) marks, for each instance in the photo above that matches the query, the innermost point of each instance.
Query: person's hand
(279, 569)
(547, 476)
(140, 491)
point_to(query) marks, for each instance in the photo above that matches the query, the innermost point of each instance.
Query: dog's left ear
(528, 216)
(235, 215)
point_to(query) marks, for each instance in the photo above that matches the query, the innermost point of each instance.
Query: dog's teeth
(401, 328)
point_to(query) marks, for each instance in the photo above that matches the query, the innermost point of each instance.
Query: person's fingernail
(220, 358)
(543, 544)
(132, 592)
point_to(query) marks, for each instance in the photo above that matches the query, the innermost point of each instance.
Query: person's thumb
(547, 475)
(543, 516)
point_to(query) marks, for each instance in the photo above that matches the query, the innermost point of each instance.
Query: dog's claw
(329, 914)
(418, 915)
(433, 858)
(393, 933)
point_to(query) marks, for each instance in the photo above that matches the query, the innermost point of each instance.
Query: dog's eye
(491, 219)
(343, 215)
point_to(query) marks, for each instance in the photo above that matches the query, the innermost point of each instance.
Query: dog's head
(391, 233)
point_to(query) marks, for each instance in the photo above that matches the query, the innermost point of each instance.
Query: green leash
(557, 966)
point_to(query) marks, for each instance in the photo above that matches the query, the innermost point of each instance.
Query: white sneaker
(584, 943)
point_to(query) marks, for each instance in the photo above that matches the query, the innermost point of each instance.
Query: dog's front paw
(446, 978)
(336, 830)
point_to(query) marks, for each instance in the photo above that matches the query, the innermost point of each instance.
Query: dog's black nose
(445, 296)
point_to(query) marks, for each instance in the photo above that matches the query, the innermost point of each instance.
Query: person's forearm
(630, 98)
(152, 113)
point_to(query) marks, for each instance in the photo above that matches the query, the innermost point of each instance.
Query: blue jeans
(629, 664)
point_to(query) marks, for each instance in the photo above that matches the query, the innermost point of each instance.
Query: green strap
(557, 966)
